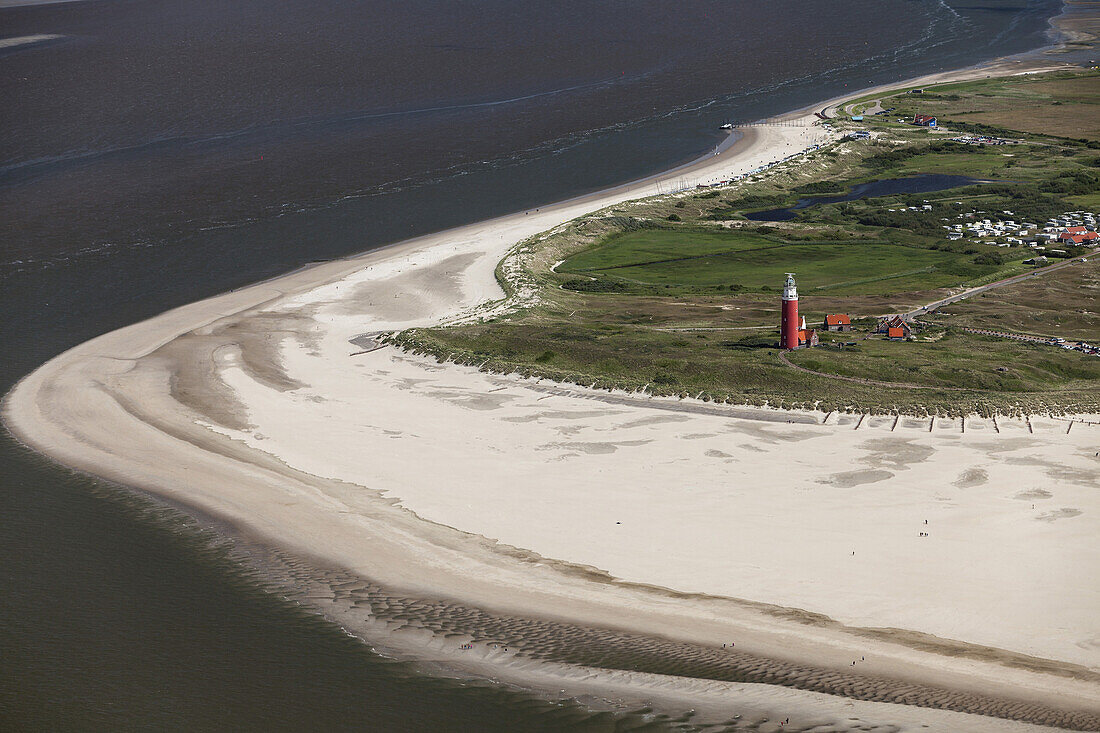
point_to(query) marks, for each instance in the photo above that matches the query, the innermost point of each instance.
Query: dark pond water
(886, 187)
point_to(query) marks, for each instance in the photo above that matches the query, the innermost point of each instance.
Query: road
(926, 309)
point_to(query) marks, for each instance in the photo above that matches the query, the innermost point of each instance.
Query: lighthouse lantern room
(789, 328)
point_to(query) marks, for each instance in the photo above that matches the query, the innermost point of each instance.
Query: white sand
(253, 407)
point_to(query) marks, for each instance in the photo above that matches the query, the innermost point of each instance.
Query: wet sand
(612, 543)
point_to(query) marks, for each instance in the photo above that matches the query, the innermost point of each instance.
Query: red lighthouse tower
(788, 331)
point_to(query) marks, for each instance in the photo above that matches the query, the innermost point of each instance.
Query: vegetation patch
(679, 295)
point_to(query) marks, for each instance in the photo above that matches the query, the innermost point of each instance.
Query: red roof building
(924, 120)
(896, 333)
(838, 322)
(885, 325)
(1078, 237)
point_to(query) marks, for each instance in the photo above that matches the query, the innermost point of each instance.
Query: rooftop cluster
(1073, 229)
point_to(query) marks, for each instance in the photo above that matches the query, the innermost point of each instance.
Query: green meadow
(686, 260)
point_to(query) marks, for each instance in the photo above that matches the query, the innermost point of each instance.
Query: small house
(896, 334)
(838, 322)
(1078, 236)
(924, 120)
(894, 323)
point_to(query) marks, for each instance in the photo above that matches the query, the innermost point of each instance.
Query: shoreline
(130, 384)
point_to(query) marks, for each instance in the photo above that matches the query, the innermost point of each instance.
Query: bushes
(821, 187)
(746, 203)
(1073, 183)
(753, 341)
(889, 158)
(582, 285)
(978, 128)
(990, 258)
(630, 224)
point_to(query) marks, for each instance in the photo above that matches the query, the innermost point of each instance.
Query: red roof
(896, 333)
(922, 119)
(838, 319)
(1078, 238)
(1075, 230)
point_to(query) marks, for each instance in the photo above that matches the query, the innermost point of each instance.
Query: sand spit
(13, 42)
(644, 524)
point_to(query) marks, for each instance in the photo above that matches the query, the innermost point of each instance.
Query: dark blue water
(165, 151)
(886, 187)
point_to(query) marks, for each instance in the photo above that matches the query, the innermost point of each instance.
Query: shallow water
(164, 152)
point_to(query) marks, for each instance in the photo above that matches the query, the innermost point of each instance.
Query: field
(680, 295)
(699, 260)
(1068, 107)
(1065, 105)
(951, 358)
(1065, 304)
(961, 372)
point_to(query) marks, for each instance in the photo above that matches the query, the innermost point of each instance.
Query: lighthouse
(788, 331)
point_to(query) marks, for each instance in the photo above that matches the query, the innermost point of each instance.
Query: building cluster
(1074, 228)
(895, 328)
(982, 140)
(794, 333)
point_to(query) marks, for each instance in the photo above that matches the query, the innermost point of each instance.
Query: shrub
(821, 187)
(594, 286)
(665, 378)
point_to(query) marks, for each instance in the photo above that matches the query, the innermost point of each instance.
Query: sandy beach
(935, 573)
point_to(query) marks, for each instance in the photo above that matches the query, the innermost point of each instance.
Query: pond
(886, 187)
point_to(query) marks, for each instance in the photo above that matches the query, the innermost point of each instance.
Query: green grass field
(691, 260)
(685, 305)
(956, 359)
(961, 372)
